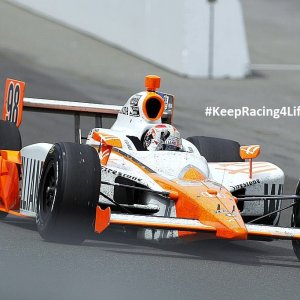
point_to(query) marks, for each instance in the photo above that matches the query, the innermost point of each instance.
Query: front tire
(68, 193)
(295, 221)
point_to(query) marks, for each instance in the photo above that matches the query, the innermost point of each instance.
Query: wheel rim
(49, 191)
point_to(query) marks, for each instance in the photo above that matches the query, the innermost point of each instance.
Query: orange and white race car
(138, 174)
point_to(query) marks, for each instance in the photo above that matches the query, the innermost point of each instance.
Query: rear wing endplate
(13, 101)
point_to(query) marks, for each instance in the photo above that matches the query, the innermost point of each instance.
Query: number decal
(13, 101)
(12, 108)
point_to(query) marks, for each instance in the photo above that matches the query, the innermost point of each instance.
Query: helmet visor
(168, 147)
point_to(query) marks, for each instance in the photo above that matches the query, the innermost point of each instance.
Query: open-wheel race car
(139, 174)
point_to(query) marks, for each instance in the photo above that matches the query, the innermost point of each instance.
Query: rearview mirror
(249, 152)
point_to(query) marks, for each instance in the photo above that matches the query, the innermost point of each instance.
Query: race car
(139, 174)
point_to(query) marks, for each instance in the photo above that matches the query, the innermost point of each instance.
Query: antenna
(223, 178)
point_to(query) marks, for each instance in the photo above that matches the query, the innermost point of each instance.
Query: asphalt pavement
(59, 63)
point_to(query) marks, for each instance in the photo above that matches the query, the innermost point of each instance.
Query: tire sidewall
(46, 223)
(295, 218)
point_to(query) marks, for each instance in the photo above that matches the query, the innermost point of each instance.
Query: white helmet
(162, 137)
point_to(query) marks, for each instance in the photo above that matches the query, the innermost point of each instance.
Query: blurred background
(58, 60)
(225, 53)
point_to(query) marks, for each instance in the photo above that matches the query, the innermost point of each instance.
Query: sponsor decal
(134, 111)
(168, 99)
(241, 167)
(134, 101)
(118, 173)
(133, 108)
(124, 110)
(128, 144)
(212, 184)
(226, 212)
(250, 149)
(32, 171)
(245, 184)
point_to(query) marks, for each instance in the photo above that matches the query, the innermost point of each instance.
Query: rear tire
(10, 139)
(216, 149)
(295, 221)
(68, 193)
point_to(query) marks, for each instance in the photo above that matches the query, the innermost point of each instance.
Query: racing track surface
(58, 63)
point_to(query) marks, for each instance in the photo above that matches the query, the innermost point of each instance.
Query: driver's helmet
(162, 137)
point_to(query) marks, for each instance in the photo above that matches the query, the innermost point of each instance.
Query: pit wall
(195, 38)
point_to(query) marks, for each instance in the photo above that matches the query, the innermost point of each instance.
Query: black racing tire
(68, 193)
(217, 149)
(295, 221)
(10, 139)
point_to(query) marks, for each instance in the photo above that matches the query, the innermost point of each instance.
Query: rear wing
(77, 109)
(15, 103)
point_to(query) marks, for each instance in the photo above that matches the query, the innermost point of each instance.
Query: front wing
(105, 217)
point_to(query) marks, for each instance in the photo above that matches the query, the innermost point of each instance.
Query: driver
(162, 137)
